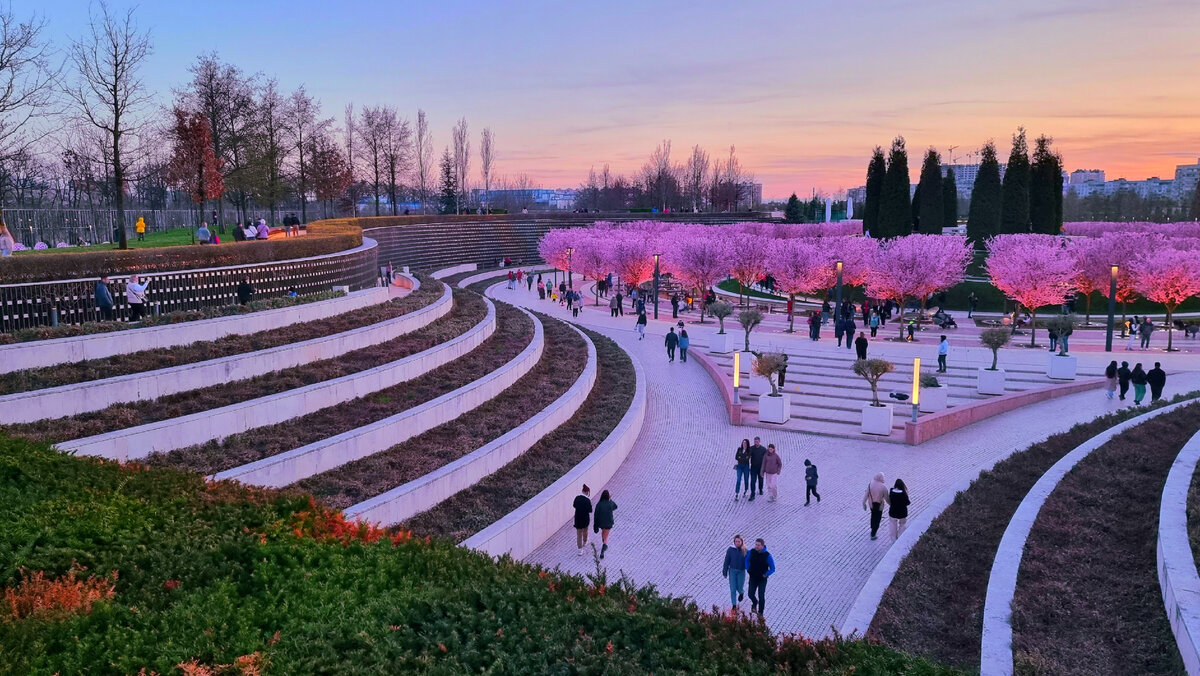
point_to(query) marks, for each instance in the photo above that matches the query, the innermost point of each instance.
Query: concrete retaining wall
(527, 527)
(422, 493)
(454, 270)
(1177, 575)
(42, 353)
(216, 424)
(299, 463)
(78, 398)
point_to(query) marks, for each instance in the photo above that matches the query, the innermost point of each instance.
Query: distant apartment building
(964, 176)
(1086, 176)
(1085, 182)
(1187, 176)
(540, 199)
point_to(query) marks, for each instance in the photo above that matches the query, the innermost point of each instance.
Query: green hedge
(210, 574)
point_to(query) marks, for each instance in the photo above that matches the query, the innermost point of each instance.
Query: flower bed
(468, 311)
(562, 362)
(149, 360)
(513, 333)
(267, 582)
(934, 605)
(478, 507)
(1087, 597)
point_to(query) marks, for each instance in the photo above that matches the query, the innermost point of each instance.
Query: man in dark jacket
(104, 299)
(244, 291)
(860, 344)
(583, 517)
(1123, 376)
(810, 482)
(1157, 378)
(757, 453)
(671, 341)
(759, 566)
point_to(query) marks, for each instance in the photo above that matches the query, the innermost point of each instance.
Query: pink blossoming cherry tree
(916, 267)
(1035, 270)
(1168, 276)
(748, 259)
(801, 266)
(701, 262)
(592, 259)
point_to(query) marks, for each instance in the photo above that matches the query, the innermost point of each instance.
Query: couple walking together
(755, 463)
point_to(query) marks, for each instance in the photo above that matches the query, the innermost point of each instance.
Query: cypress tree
(1014, 212)
(915, 219)
(1045, 189)
(449, 191)
(895, 207)
(875, 172)
(930, 211)
(792, 213)
(1196, 203)
(949, 199)
(983, 215)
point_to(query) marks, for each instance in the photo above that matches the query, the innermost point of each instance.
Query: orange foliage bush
(67, 595)
(323, 524)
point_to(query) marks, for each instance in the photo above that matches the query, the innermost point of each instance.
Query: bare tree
(302, 117)
(374, 126)
(462, 160)
(108, 91)
(487, 156)
(694, 174)
(397, 154)
(423, 159)
(216, 90)
(523, 192)
(27, 83)
(271, 148)
(658, 175)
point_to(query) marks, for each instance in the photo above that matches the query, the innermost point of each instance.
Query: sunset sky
(804, 89)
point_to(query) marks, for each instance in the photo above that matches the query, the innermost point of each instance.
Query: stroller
(943, 320)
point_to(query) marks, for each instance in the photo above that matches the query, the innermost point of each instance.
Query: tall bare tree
(462, 160)
(108, 91)
(397, 154)
(487, 156)
(218, 90)
(27, 84)
(373, 127)
(695, 174)
(423, 159)
(271, 148)
(302, 117)
(658, 174)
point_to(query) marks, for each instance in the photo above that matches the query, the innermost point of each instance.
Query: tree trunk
(1087, 317)
(1170, 327)
(1032, 326)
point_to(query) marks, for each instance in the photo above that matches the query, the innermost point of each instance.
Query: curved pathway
(676, 511)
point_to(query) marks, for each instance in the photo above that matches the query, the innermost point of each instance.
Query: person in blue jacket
(734, 570)
(760, 565)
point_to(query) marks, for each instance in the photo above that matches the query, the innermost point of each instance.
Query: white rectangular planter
(934, 399)
(877, 419)
(719, 343)
(775, 409)
(991, 382)
(1062, 368)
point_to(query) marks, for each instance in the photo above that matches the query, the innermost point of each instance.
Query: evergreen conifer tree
(792, 213)
(949, 199)
(930, 210)
(1014, 212)
(449, 190)
(1045, 189)
(895, 207)
(1196, 203)
(915, 223)
(875, 173)
(983, 215)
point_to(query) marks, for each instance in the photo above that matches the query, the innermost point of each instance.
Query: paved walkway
(675, 491)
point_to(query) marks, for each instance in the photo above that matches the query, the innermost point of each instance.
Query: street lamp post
(837, 308)
(656, 285)
(916, 387)
(1112, 307)
(570, 277)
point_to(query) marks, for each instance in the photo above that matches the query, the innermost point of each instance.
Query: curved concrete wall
(95, 395)
(528, 526)
(422, 493)
(1177, 576)
(299, 463)
(216, 424)
(454, 270)
(42, 353)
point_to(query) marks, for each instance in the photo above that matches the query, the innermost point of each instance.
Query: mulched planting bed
(1087, 598)
(562, 362)
(469, 309)
(149, 360)
(514, 331)
(481, 505)
(934, 605)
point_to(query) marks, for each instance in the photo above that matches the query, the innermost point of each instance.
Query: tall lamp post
(837, 309)
(656, 285)
(570, 277)
(1112, 307)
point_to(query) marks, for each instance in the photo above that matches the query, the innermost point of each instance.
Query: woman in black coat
(602, 522)
(898, 502)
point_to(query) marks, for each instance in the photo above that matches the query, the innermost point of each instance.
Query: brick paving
(676, 513)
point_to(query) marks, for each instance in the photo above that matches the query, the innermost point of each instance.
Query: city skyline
(566, 89)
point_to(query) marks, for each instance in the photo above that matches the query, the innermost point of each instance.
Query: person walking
(263, 233)
(757, 453)
(873, 322)
(620, 304)
(810, 482)
(898, 502)
(612, 305)
(684, 344)
(675, 306)
(1145, 330)
(741, 464)
(529, 282)
(244, 291)
(7, 243)
(877, 492)
(734, 570)
(583, 517)
(1110, 379)
(972, 301)
(772, 466)
(943, 352)
(1123, 377)
(814, 325)
(1138, 378)
(783, 372)
(602, 523)
(671, 341)
(1157, 378)
(541, 286)
(860, 345)
(839, 330)
(1053, 339)
(135, 294)
(640, 326)
(104, 300)
(1134, 334)
(140, 227)
(760, 565)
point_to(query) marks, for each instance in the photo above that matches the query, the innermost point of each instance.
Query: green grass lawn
(174, 237)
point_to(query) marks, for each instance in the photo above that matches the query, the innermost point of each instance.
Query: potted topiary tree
(748, 319)
(876, 417)
(991, 380)
(774, 406)
(720, 341)
(934, 395)
(1061, 366)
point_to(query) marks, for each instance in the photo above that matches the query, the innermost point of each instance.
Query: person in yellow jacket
(141, 229)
